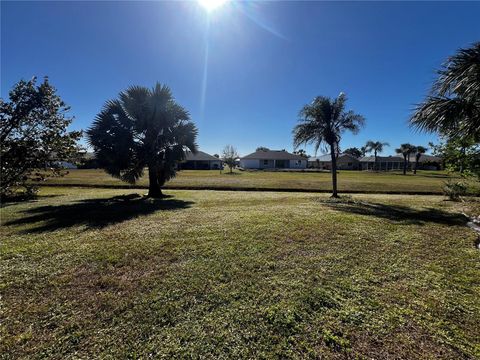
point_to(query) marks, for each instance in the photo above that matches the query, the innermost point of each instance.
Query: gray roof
(381, 159)
(273, 155)
(200, 156)
(327, 157)
(425, 158)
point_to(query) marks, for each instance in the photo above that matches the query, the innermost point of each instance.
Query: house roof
(327, 157)
(200, 156)
(426, 158)
(273, 155)
(381, 158)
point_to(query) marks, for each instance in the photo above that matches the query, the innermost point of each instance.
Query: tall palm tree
(419, 150)
(322, 123)
(453, 106)
(376, 147)
(142, 128)
(405, 150)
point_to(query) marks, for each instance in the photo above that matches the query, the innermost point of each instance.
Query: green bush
(455, 189)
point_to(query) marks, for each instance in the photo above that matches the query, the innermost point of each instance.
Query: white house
(273, 159)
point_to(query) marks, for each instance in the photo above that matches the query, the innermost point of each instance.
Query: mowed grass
(352, 181)
(210, 274)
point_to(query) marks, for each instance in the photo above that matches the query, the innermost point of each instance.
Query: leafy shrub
(455, 189)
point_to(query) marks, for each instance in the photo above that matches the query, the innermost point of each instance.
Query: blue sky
(265, 60)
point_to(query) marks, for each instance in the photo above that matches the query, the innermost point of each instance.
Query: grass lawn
(356, 181)
(87, 272)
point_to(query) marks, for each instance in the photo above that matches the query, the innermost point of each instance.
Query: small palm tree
(405, 150)
(142, 128)
(322, 122)
(453, 107)
(376, 147)
(419, 150)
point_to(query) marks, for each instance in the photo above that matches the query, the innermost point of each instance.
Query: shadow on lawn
(95, 213)
(400, 213)
(420, 175)
(22, 199)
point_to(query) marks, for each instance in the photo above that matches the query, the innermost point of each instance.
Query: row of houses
(385, 163)
(271, 159)
(281, 159)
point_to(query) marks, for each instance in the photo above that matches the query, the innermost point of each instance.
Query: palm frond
(453, 116)
(453, 106)
(134, 103)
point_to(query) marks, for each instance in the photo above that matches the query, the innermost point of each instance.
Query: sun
(211, 5)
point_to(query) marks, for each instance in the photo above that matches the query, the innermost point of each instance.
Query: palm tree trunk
(376, 165)
(334, 171)
(154, 190)
(404, 165)
(462, 159)
(416, 166)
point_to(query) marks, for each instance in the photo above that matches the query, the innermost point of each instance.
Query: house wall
(250, 164)
(319, 164)
(343, 163)
(270, 164)
(347, 163)
(298, 164)
(201, 165)
(216, 164)
(266, 164)
(382, 165)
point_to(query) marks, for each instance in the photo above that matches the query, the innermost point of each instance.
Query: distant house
(383, 163)
(273, 159)
(427, 162)
(200, 161)
(344, 162)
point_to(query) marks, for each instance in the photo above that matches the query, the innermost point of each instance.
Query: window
(265, 162)
(349, 164)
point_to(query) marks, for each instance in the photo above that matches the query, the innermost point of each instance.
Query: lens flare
(211, 5)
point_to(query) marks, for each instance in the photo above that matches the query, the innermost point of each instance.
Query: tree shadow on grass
(404, 214)
(94, 213)
(420, 175)
(22, 199)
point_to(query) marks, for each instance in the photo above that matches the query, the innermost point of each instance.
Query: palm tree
(376, 147)
(322, 123)
(405, 150)
(363, 150)
(142, 128)
(453, 107)
(419, 150)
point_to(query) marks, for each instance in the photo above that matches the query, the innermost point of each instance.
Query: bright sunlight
(211, 5)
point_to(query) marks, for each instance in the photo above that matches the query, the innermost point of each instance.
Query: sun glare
(211, 5)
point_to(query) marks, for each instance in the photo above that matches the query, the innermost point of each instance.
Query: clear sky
(244, 70)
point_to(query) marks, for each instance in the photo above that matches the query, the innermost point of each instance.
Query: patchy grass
(104, 273)
(355, 181)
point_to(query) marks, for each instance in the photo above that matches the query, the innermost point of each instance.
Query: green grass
(354, 181)
(91, 273)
